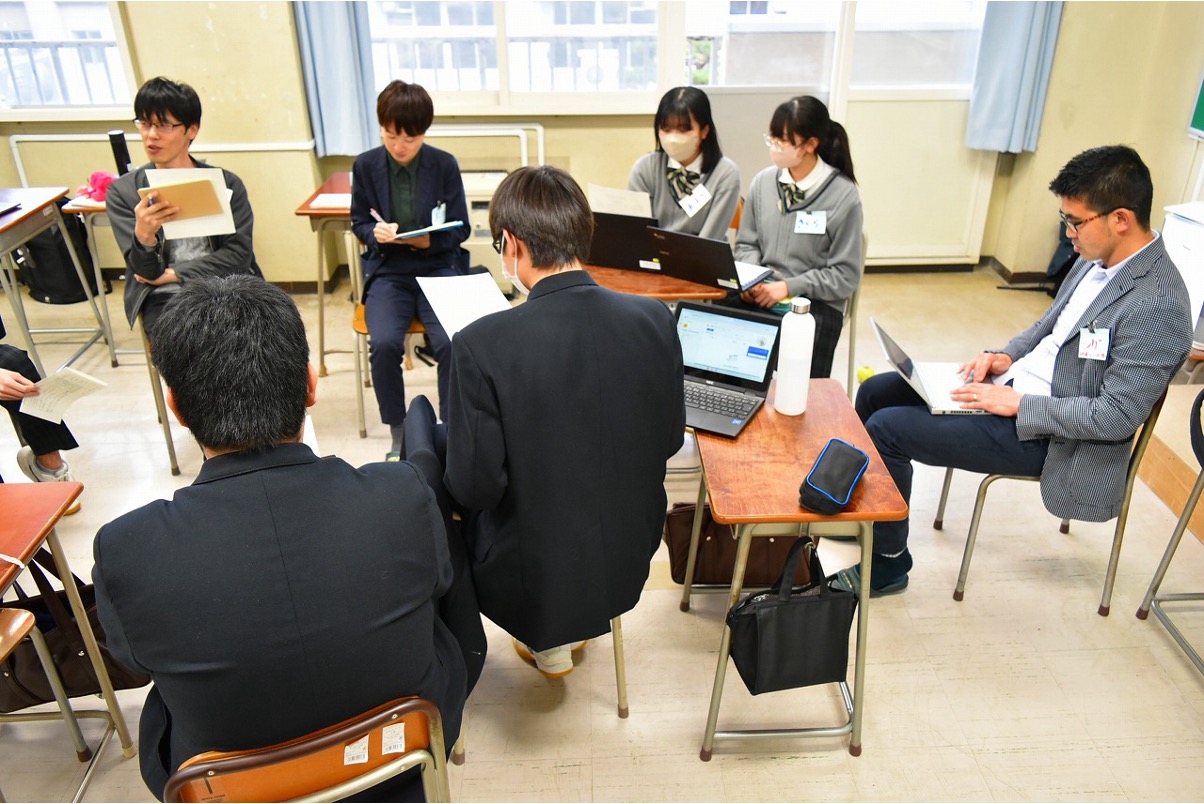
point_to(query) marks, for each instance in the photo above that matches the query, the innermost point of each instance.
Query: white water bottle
(794, 358)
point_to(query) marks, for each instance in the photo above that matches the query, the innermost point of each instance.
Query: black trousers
(42, 436)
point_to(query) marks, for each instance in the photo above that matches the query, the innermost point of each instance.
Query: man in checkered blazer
(1068, 393)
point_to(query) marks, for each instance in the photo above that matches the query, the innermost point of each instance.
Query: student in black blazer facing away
(563, 413)
(280, 592)
(401, 186)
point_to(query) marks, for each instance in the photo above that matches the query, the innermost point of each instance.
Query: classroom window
(456, 53)
(916, 44)
(63, 53)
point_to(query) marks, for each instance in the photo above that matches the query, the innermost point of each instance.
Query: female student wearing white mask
(693, 186)
(802, 218)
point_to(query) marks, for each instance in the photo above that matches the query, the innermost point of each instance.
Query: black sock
(886, 570)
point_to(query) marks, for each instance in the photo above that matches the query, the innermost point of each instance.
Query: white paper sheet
(331, 201)
(460, 300)
(434, 227)
(619, 202)
(220, 224)
(58, 392)
(748, 273)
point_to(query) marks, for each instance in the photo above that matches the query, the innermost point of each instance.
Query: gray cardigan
(713, 220)
(823, 267)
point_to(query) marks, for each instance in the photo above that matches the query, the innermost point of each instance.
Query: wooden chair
(15, 626)
(363, 378)
(327, 765)
(1143, 441)
(160, 404)
(1153, 598)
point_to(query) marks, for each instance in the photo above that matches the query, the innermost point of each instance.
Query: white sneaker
(555, 662)
(39, 474)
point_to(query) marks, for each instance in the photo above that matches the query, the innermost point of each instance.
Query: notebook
(932, 381)
(705, 261)
(729, 355)
(621, 241)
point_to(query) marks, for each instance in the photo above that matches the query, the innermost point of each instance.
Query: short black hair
(676, 108)
(234, 354)
(160, 96)
(545, 208)
(1108, 178)
(405, 108)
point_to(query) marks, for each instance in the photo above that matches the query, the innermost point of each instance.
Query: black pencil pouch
(829, 485)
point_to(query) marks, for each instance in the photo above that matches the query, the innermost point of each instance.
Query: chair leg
(1064, 527)
(359, 382)
(939, 522)
(457, 757)
(616, 629)
(1180, 527)
(160, 405)
(971, 537)
(82, 751)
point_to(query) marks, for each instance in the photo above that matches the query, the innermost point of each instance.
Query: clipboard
(196, 198)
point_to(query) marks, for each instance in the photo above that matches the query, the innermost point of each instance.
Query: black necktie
(682, 181)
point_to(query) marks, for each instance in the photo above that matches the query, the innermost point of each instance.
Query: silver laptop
(729, 356)
(932, 381)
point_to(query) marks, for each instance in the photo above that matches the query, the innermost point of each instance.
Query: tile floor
(1019, 693)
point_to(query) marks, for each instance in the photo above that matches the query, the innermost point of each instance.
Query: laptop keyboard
(716, 400)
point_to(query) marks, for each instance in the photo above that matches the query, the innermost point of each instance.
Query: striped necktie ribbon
(682, 181)
(793, 195)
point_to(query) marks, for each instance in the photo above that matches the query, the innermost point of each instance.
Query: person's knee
(388, 346)
(868, 394)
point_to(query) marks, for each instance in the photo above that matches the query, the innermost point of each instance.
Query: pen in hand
(377, 217)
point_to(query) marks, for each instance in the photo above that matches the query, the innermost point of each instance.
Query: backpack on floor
(46, 267)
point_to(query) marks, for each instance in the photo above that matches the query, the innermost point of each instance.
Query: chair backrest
(15, 625)
(739, 213)
(326, 765)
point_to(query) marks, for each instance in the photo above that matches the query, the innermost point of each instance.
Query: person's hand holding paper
(191, 211)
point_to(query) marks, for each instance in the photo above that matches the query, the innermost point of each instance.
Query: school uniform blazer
(230, 254)
(1096, 406)
(563, 413)
(279, 593)
(439, 182)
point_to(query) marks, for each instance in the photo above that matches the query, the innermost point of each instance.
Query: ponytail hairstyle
(801, 118)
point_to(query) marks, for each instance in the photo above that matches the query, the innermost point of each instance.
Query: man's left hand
(765, 294)
(166, 278)
(1002, 400)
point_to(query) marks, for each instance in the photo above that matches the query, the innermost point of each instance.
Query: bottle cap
(800, 305)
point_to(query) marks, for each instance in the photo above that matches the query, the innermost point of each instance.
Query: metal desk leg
(695, 531)
(863, 629)
(85, 629)
(321, 303)
(8, 279)
(103, 330)
(725, 643)
(107, 324)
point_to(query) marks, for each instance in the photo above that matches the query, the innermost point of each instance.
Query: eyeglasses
(1074, 226)
(775, 144)
(162, 127)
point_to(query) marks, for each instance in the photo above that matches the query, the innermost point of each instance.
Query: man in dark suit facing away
(281, 592)
(563, 412)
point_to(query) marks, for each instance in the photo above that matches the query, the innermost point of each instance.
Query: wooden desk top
(755, 477)
(31, 510)
(32, 200)
(652, 285)
(339, 183)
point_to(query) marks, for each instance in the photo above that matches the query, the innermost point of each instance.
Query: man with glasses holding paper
(168, 116)
(1068, 393)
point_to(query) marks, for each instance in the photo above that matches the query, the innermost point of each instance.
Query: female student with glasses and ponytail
(802, 219)
(694, 188)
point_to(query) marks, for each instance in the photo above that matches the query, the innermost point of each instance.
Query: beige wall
(1122, 73)
(242, 57)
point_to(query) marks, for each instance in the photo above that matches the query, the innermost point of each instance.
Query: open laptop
(702, 260)
(729, 356)
(932, 381)
(621, 241)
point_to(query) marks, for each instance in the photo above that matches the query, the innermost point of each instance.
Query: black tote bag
(786, 637)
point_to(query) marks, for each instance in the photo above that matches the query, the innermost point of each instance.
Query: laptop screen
(729, 345)
(894, 352)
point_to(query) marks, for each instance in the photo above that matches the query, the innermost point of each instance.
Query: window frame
(84, 114)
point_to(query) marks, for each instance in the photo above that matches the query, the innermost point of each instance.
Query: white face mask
(788, 158)
(682, 146)
(513, 277)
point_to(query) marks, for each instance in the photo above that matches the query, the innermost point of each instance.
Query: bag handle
(783, 586)
(63, 619)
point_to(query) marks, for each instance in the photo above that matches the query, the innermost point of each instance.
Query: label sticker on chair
(393, 739)
(356, 753)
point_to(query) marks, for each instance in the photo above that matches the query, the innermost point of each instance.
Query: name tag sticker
(695, 200)
(650, 265)
(393, 739)
(815, 223)
(727, 283)
(1093, 345)
(356, 753)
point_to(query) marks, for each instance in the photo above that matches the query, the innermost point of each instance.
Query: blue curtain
(1012, 75)
(336, 60)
